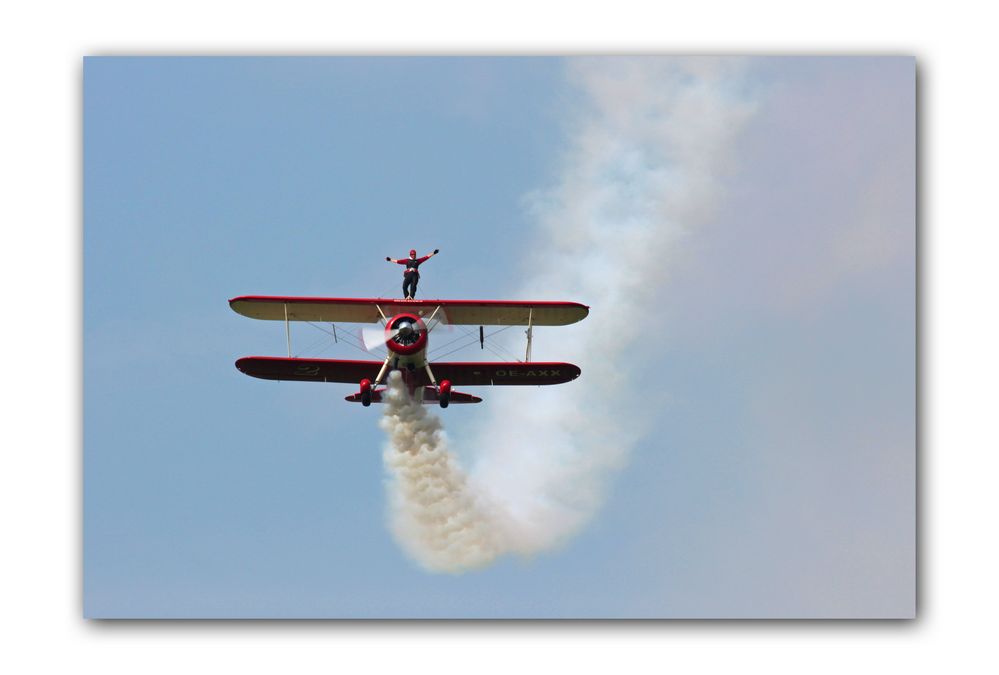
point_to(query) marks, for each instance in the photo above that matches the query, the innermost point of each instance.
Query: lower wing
(308, 370)
(477, 373)
(505, 373)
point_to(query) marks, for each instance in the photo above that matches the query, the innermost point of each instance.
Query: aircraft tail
(430, 397)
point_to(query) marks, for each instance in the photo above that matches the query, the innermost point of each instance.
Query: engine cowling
(406, 334)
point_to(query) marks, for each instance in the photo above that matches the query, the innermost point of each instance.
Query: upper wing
(510, 312)
(460, 374)
(365, 310)
(343, 310)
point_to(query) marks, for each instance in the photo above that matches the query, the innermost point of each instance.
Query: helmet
(412, 251)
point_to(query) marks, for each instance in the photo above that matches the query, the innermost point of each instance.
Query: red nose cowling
(404, 345)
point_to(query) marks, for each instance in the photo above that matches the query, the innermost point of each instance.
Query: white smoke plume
(435, 516)
(648, 149)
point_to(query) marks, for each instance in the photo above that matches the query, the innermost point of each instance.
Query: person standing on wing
(411, 275)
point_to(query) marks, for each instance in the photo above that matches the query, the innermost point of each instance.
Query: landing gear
(365, 392)
(444, 393)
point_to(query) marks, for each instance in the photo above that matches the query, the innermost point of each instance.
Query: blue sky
(779, 480)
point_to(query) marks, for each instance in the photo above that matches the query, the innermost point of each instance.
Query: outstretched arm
(393, 260)
(428, 257)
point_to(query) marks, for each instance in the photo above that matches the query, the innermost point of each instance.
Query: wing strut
(287, 328)
(381, 373)
(427, 322)
(530, 333)
(430, 374)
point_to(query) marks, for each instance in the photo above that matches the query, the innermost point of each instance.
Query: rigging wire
(449, 342)
(312, 346)
(342, 337)
(457, 349)
(321, 351)
(494, 347)
(386, 292)
(475, 338)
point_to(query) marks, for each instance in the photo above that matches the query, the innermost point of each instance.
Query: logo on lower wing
(528, 373)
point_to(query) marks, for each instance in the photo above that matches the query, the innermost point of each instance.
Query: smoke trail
(642, 170)
(434, 515)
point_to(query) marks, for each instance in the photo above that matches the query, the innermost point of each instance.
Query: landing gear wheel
(365, 392)
(444, 393)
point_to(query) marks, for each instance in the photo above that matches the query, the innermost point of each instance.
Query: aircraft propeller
(376, 337)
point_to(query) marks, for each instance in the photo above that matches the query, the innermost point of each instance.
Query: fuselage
(406, 339)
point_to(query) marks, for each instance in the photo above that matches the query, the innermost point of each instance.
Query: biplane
(405, 331)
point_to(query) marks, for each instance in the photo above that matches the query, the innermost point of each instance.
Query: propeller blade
(374, 338)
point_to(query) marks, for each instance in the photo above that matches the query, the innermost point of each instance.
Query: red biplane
(406, 327)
